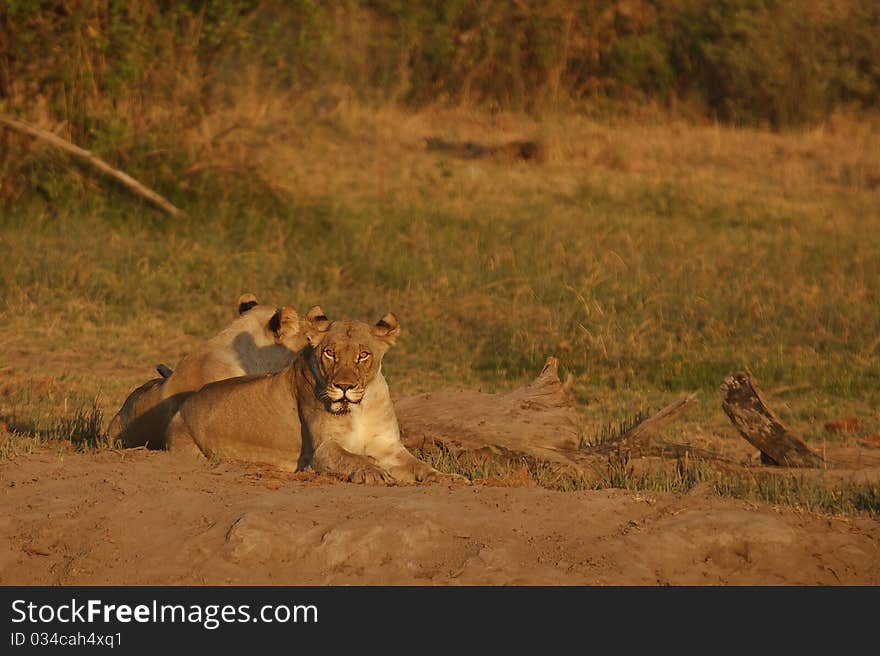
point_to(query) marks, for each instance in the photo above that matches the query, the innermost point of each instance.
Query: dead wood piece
(638, 436)
(538, 420)
(761, 427)
(519, 149)
(92, 160)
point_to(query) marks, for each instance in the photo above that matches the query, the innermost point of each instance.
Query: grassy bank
(650, 259)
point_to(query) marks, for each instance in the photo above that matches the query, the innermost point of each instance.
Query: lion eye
(329, 353)
(363, 355)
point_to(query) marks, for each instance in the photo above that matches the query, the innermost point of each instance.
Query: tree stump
(759, 425)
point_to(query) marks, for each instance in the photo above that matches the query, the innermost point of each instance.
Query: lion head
(345, 356)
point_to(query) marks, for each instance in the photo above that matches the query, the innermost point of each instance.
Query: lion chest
(372, 427)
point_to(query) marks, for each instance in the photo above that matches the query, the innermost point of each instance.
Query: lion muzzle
(344, 392)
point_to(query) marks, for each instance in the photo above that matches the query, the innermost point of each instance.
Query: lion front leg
(180, 440)
(331, 458)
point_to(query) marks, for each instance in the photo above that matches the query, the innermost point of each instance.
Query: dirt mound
(146, 518)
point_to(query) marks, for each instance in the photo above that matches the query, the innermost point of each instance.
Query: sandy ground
(147, 518)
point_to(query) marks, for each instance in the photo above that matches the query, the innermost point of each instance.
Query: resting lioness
(331, 409)
(261, 339)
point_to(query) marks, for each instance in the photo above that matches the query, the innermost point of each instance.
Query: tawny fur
(262, 339)
(330, 409)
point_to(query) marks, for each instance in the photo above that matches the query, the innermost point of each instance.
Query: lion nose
(345, 386)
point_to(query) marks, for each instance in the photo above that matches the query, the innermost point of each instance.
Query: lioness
(331, 408)
(261, 339)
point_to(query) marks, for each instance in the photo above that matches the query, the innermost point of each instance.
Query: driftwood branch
(538, 420)
(761, 427)
(529, 151)
(92, 160)
(641, 433)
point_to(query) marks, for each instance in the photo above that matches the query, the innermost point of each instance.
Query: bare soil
(140, 517)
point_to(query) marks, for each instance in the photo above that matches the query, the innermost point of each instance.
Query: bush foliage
(147, 84)
(757, 62)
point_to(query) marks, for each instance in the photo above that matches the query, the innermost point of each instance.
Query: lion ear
(387, 328)
(284, 324)
(246, 302)
(316, 322)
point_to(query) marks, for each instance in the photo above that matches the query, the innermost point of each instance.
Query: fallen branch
(92, 160)
(536, 422)
(521, 150)
(761, 427)
(640, 434)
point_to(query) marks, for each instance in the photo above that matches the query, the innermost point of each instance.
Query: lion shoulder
(263, 339)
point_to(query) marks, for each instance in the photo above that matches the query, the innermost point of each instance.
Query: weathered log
(529, 151)
(92, 160)
(761, 427)
(538, 420)
(641, 433)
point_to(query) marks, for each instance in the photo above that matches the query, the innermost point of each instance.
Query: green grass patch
(637, 295)
(679, 476)
(83, 430)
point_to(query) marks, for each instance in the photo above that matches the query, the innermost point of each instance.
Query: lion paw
(435, 476)
(443, 477)
(370, 475)
(417, 471)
